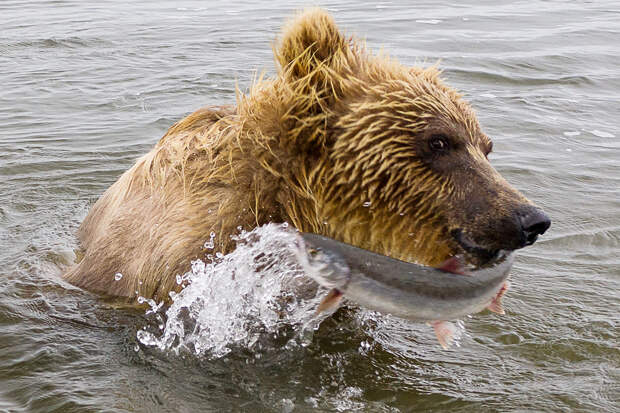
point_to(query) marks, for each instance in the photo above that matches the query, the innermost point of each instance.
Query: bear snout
(521, 228)
(516, 230)
(533, 222)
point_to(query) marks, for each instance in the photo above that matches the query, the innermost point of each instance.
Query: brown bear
(341, 142)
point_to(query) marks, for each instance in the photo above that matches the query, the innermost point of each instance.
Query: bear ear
(310, 45)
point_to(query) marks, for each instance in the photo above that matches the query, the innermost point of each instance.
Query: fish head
(326, 267)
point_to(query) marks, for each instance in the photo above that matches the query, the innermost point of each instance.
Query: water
(86, 87)
(257, 291)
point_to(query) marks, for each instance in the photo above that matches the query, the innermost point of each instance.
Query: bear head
(380, 155)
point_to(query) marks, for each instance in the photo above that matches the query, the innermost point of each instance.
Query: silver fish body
(400, 288)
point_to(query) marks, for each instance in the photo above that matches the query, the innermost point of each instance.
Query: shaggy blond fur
(336, 129)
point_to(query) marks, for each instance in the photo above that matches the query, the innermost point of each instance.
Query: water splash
(259, 289)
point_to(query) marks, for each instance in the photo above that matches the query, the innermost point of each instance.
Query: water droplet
(287, 405)
(118, 276)
(312, 401)
(364, 347)
(211, 243)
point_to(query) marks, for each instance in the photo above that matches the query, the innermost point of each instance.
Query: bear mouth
(482, 256)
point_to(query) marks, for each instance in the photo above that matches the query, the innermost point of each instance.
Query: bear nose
(534, 222)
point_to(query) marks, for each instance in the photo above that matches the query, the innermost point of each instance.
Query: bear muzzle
(520, 230)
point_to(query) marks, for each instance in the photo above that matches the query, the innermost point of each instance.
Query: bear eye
(438, 143)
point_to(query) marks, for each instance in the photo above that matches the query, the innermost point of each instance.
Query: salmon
(407, 290)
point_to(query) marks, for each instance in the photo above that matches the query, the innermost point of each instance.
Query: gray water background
(88, 86)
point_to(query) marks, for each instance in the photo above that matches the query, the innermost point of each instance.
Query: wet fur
(336, 128)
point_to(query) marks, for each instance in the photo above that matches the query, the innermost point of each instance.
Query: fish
(407, 290)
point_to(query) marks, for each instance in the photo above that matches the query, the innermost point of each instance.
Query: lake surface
(87, 86)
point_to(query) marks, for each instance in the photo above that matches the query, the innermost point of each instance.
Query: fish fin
(453, 265)
(330, 302)
(445, 332)
(496, 307)
(496, 304)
